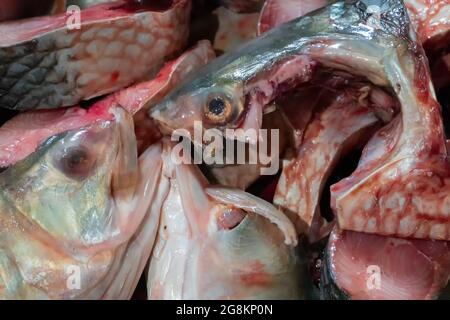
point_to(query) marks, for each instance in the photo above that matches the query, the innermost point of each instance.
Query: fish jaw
(109, 41)
(150, 193)
(197, 230)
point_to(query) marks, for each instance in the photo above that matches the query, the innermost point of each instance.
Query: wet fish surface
(45, 63)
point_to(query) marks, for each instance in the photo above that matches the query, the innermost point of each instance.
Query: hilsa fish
(55, 61)
(220, 243)
(69, 210)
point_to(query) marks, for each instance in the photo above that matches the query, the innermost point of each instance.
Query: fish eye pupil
(216, 106)
(76, 158)
(76, 162)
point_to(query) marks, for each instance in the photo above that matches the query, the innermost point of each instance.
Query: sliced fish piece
(367, 266)
(348, 122)
(53, 62)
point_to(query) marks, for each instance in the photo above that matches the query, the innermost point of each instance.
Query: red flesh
(409, 269)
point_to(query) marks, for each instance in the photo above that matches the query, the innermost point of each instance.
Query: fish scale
(62, 67)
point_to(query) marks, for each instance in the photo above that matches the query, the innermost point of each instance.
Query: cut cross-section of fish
(346, 123)
(57, 61)
(367, 266)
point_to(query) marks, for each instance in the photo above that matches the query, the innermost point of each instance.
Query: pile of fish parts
(94, 95)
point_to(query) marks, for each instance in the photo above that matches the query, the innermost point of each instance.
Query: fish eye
(230, 217)
(218, 109)
(75, 162)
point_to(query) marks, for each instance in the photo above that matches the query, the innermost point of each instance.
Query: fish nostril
(230, 218)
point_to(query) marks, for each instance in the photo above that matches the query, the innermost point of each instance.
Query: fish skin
(45, 65)
(194, 258)
(250, 76)
(348, 121)
(79, 217)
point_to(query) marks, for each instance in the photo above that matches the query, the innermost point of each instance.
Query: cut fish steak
(400, 185)
(45, 63)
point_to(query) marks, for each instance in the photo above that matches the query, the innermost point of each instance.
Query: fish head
(223, 243)
(249, 257)
(212, 103)
(67, 189)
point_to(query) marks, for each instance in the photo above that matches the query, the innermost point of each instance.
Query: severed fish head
(69, 204)
(236, 89)
(221, 243)
(65, 185)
